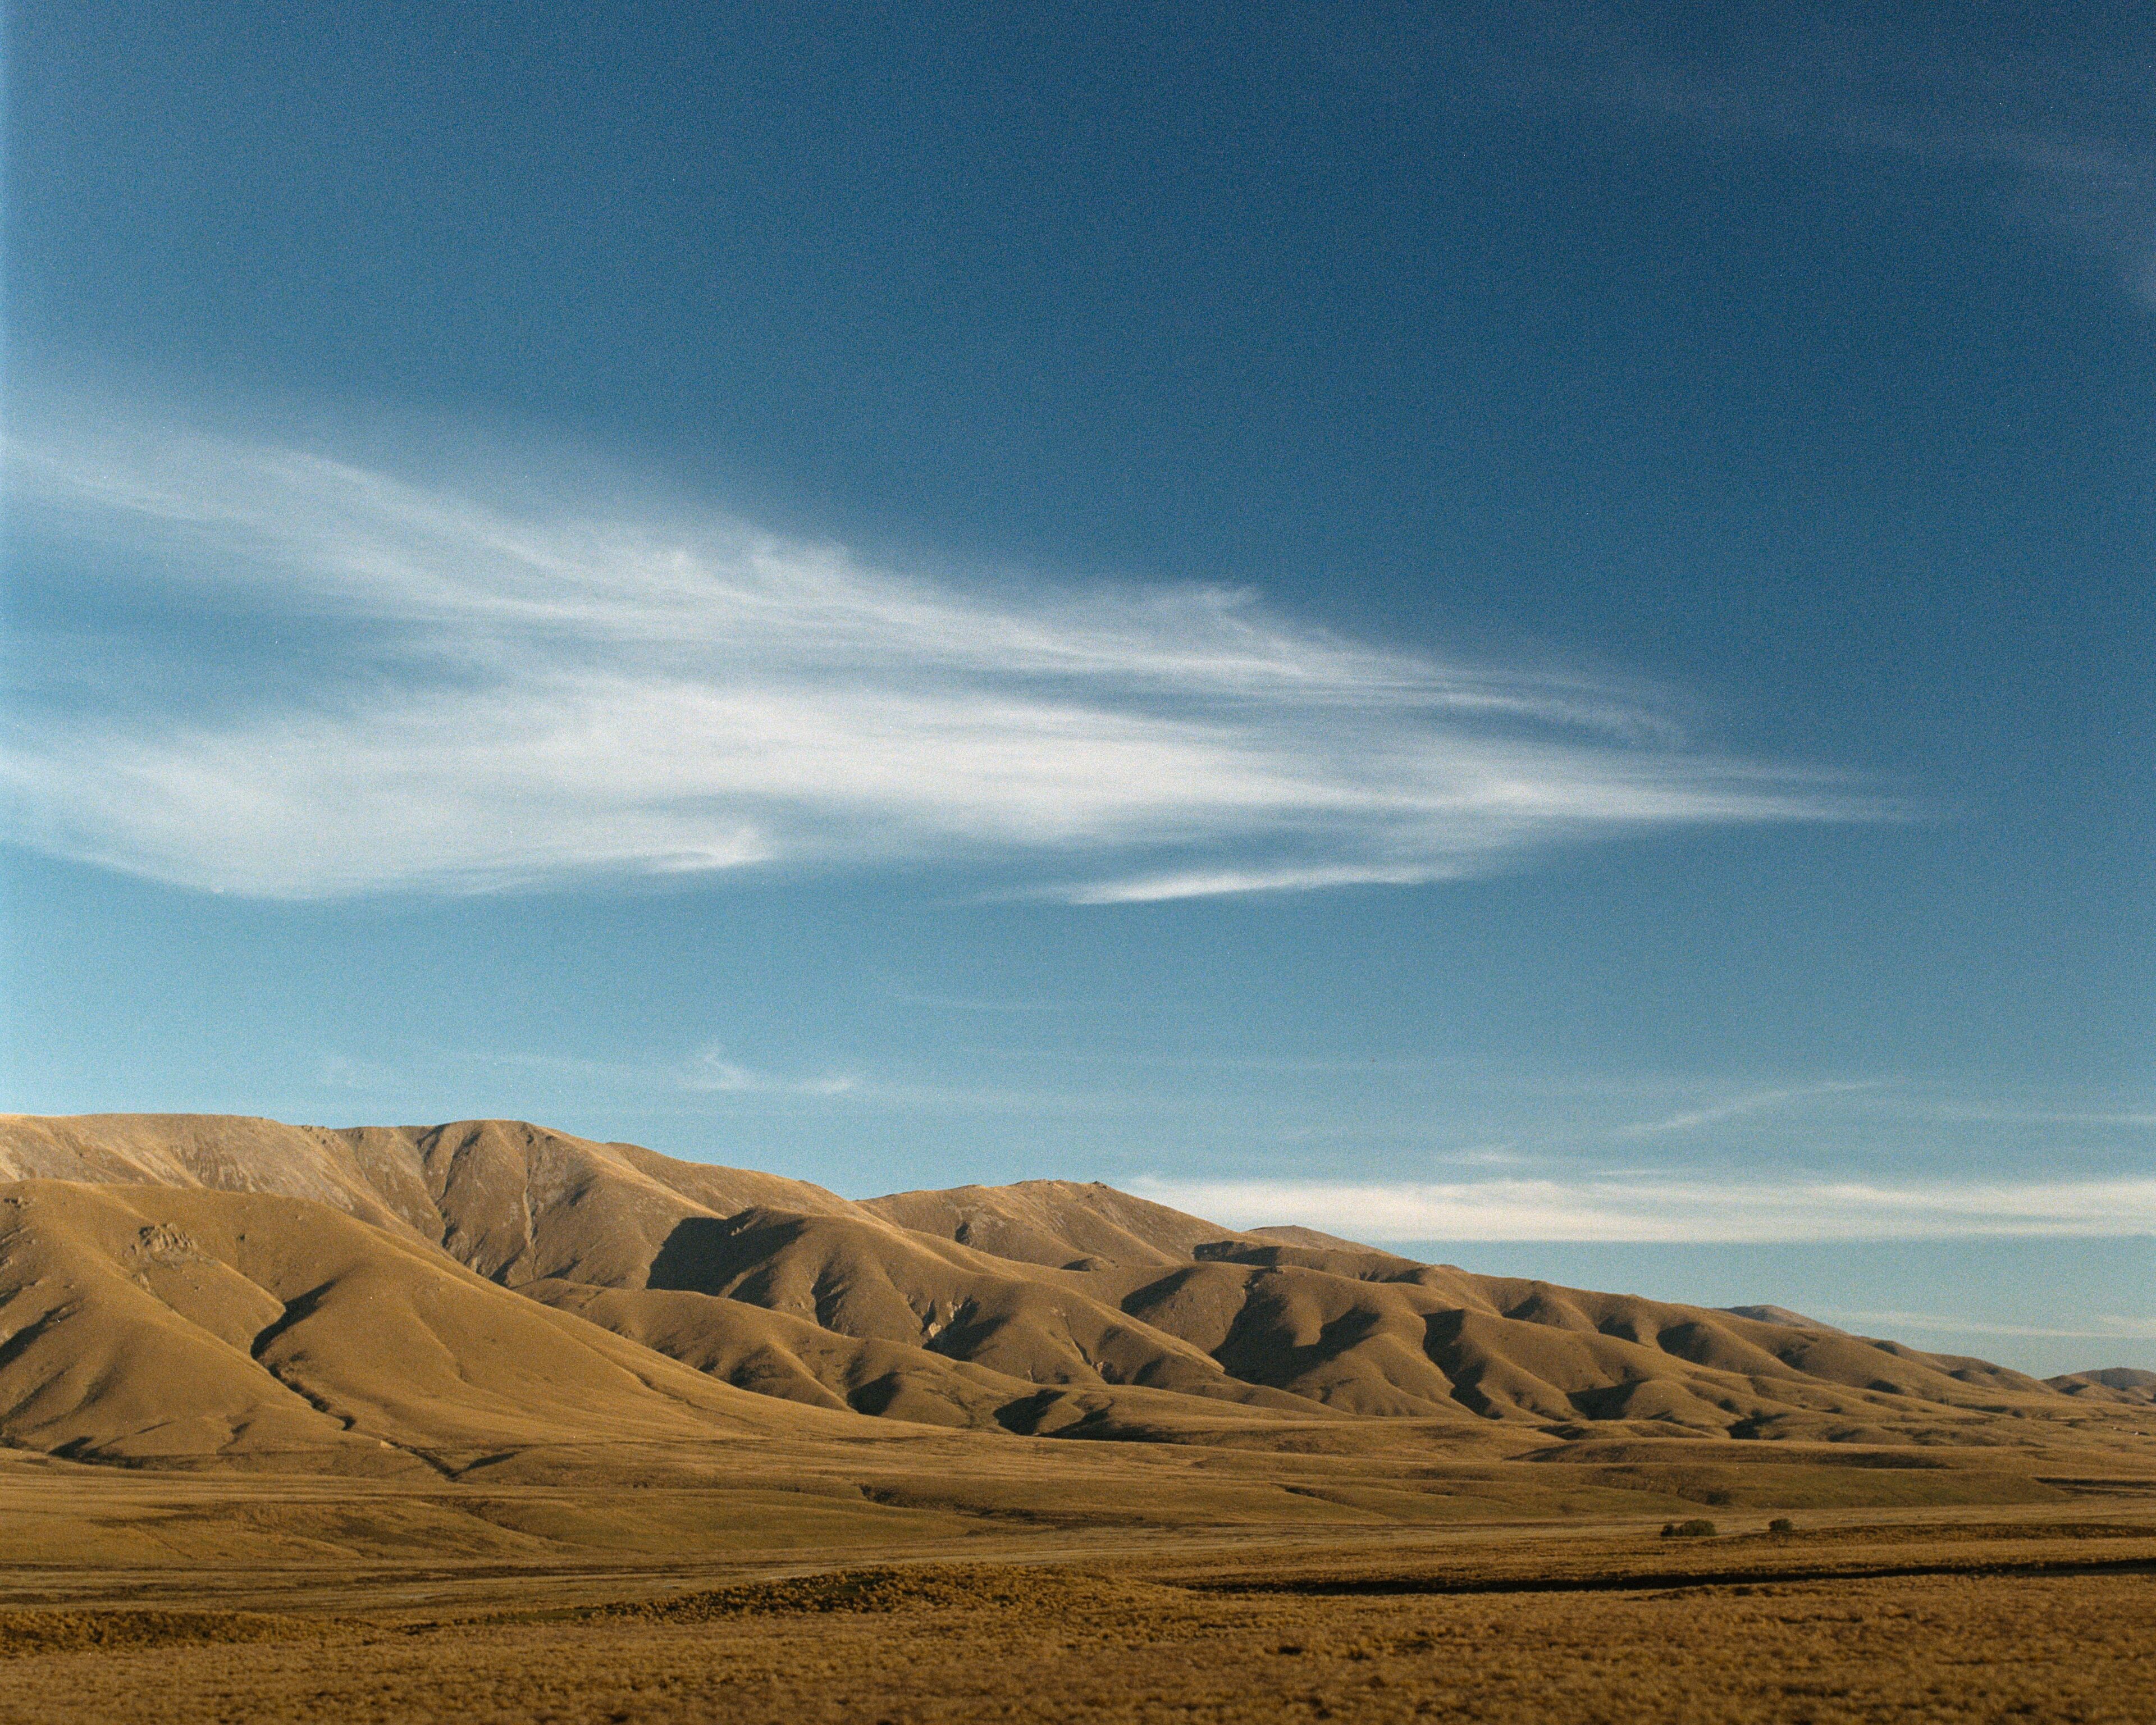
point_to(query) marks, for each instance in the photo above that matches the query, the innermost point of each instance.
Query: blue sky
(1524, 631)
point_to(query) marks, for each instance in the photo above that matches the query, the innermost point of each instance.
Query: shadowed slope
(1403, 1338)
(864, 1278)
(775, 1353)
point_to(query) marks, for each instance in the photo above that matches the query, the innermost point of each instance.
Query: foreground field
(2033, 1613)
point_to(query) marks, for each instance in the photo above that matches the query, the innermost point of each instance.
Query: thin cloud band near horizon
(1672, 1210)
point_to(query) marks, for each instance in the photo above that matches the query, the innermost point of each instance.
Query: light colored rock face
(360, 1292)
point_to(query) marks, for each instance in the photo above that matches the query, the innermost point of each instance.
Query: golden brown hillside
(515, 1202)
(224, 1285)
(152, 1323)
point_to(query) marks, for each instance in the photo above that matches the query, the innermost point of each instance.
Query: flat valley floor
(148, 1599)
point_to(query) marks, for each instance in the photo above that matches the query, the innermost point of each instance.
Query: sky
(1523, 632)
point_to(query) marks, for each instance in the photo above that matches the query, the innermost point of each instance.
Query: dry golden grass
(1983, 1637)
(959, 1577)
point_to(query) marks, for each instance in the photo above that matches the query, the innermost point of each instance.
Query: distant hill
(1781, 1315)
(199, 1286)
(2115, 1383)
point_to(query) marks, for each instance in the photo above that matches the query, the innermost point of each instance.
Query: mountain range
(187, 1289)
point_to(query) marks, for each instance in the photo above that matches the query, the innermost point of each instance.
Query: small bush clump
(1694, 1529)
(1781, 1524)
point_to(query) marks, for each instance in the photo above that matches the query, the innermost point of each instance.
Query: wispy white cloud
(711, 1070)
(2069, 143)
(1758, 1101)
(533, 693)
(1646, 1207)
(1202, 883)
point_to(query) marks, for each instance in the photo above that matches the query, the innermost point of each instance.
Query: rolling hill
(148, 1322)
(194, 1286)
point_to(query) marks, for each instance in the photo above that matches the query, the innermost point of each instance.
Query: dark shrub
(1693, 1529)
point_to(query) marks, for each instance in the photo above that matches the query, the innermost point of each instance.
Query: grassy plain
(1075, 1581)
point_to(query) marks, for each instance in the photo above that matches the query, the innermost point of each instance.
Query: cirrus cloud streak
(530, 693)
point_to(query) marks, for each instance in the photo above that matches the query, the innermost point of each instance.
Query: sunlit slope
(156, 1322)
(515, 1202)
(223, 1153)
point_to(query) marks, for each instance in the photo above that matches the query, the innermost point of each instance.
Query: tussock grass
(23, 1634)
(1003, 1588)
